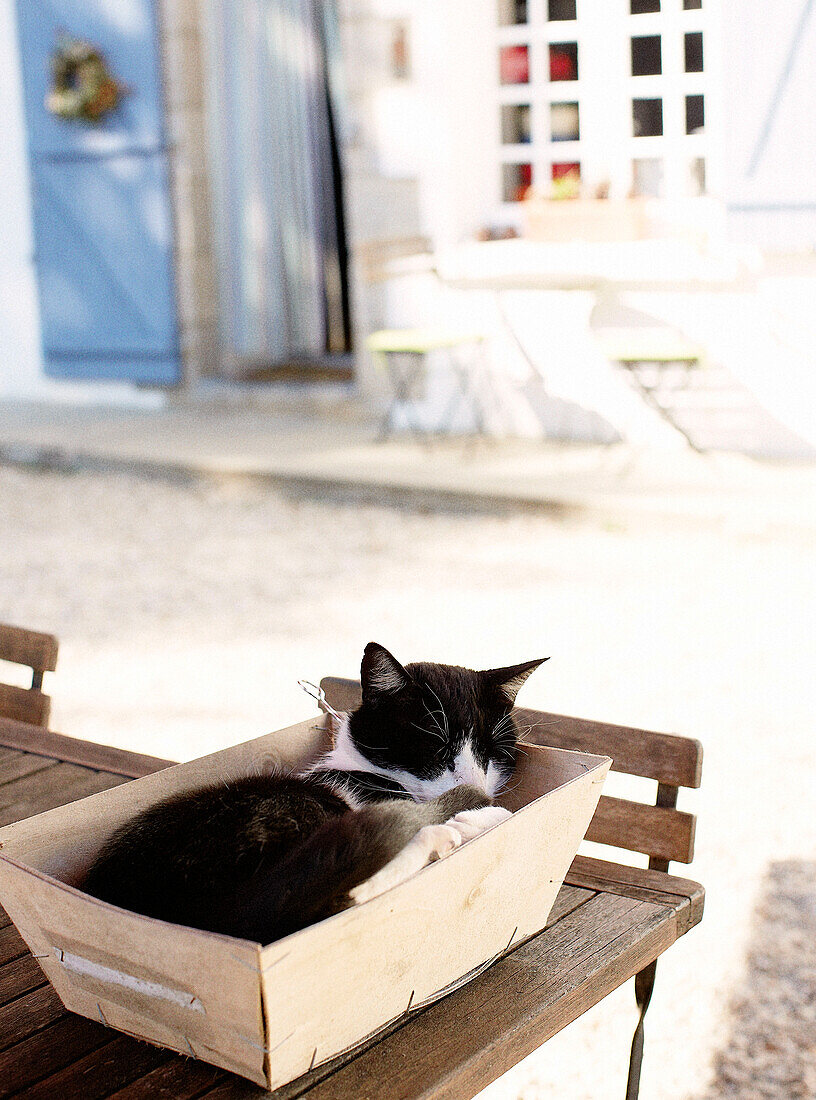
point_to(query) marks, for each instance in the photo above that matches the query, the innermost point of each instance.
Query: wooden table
(608, 922)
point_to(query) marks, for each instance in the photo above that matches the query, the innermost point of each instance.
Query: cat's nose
(473, 777)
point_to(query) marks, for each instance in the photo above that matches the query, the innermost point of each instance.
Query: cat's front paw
(471, 823)
(430, 843)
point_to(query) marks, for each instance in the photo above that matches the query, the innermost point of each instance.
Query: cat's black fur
(262, 856)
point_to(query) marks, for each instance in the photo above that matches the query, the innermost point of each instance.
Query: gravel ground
(186, 611)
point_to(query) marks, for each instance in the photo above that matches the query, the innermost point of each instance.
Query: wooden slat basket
(273, 1012)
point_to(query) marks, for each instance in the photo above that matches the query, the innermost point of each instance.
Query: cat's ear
(381, 673)
(511, 678)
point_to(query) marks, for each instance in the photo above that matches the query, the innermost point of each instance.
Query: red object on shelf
(525, 181)
(561, 170)
(562, 65)
(514, 65)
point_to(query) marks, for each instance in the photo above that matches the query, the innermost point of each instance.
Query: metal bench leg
(644, 984)
(644, 981)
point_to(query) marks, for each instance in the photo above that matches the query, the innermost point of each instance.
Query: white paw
(430, 843)
(471, 823)
(441, 839)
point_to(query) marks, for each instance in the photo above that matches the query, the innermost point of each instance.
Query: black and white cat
(411, 776)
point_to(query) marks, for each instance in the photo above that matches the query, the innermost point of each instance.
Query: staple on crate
(275, 962)
(250, 1043)
(277, 1046)
(244, 963)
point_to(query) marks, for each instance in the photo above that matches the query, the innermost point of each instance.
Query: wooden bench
(609, 923)
(37, 652)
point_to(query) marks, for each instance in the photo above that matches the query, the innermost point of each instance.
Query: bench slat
(666, 834)
(677, 761)
(28, 647)
(343, 694)
(660, 832)
(24, 705)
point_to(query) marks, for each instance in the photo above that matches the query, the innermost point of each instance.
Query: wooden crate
(273, 1012)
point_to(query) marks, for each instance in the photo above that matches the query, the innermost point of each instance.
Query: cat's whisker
(429, 733)
(432, 715)
(524, 730)
(441, 707)
(504, 725)
(508, 790)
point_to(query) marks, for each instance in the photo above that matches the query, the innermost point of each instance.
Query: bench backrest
(660, 831)
(37, 652)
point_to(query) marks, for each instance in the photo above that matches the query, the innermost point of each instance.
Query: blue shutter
(102, 216)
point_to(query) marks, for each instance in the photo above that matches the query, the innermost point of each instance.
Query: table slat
(21, 735)
(235, 1089)
(51, 787)
(15, 764)
(49, 1051)
(642, 883)
(18, 976)
(568, 899)
(99, 1073)
(180, 1078)
(27, 1014)
(12, 944)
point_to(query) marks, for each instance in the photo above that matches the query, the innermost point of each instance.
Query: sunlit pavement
(332, 447)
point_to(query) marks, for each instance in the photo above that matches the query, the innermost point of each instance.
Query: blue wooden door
(102, 216)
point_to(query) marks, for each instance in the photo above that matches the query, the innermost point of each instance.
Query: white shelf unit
(604, 90)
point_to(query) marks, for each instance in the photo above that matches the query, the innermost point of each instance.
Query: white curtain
(278, 204)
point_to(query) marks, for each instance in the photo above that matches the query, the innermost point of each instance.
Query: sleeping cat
(411, 776)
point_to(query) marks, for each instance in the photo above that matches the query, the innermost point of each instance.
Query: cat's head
(431, 727)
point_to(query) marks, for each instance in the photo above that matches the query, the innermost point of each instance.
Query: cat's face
(432, 727)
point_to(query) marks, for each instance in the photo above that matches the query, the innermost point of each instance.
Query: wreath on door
(82, 86)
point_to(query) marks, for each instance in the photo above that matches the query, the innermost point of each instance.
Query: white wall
(770, 106)
(21, 359)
